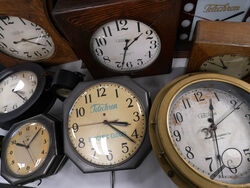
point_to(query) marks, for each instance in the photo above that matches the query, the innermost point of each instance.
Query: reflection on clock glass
(125, 45)
(24, 40)
(16, 90)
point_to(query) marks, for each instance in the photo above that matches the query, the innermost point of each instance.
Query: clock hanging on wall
(213, 10)
(133, 38)
(27, 34)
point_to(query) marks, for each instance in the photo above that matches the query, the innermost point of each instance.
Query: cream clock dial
(106, 124)
(24, 40)
(27, 148)
(125, 45)
(18, 87)
(232, 65)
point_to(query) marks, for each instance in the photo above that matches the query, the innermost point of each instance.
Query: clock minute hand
(37, 43)
(34, 137)
(16, 92)
(24, 40)
(234, 15)
(190, 14)
(125, 52)
(222, 62)
(135, 39)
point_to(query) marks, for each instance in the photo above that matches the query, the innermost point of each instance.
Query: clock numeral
(27, 54)
(177, 134)
(75, 127)
(43, 152)
(13, 142)
(246, 116)
(81, 143)
(137, 115)
(120, 25)
(178, 117)
(101, 92)
(247, 154)
(99, 52)
(109, 156)
(186, 103)
(116, 93)
(153, 44)
(149, 54)
(139, 62)
(88, 99)
(33, 24)
(233, 170)
(234, 103)
(3, 45)
(20, 133)
(138, 27)
(215, 94)
(130, 105)
(22, 21)
(198, 96)
(119, 65)
(12, 162)
(107, 31)
(49, 43)
(42, 132)
(106, 59)
(149, 33)
(125, 148)
(45, 50)
(11, 152)
(44, 141)
(93, 149)
(28, 168)
(80, 112)
(38, 54)
(6, 20)
(1, 36)
(1, 28)
(13, 50)
(189, 154)
(210, 163)
(101, 42)
(27, 128)
(135, 134)
(129, 64)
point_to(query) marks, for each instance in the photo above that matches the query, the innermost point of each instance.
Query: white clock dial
(125, 45)
(210, 129)
(24, 40)
(16, 89)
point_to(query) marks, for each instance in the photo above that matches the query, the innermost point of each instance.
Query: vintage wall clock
(136, 39)
(225, 51)
(32, 150)
(27, 34)
(105, 125)
(213, 10)
(208, 152)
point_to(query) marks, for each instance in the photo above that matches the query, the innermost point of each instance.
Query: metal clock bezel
(145, 147)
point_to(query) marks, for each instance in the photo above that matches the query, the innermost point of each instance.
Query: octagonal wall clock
(114, 38)
(225, 51)
(27, 34)
(210, 10)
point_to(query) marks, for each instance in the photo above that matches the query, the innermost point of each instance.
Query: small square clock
(133, 37)
(221, 47)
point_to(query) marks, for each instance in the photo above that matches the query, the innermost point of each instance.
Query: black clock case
(54, 160)
(135, 160)
(41, 100)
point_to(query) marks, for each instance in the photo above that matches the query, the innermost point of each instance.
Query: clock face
(106, 124)
(214, 10)
(125, 45)
(209, 128)
(27, 148)
(16, 90)
(24, 40)
(232, 65)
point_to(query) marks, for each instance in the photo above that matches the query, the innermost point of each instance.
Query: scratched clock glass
(106, 124)
(206, 120)
(27, 148)
(18, 87)
(125, 45)
(23, 39)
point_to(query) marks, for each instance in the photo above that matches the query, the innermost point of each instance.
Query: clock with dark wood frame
(78, 20)
(36, 11)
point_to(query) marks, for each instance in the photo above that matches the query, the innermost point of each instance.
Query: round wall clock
(133, 49)
(24, 40)
(31, 150)
(24, 91)
(105, 125)
(208, 152)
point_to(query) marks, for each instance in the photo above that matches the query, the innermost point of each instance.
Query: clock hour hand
(18, 94)
(24, 40)
(123, 124)
(212, 63)
(234, 15)
(21, 145)
(222, 62)
(123, 134)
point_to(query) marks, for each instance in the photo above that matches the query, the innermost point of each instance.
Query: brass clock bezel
(182, 173)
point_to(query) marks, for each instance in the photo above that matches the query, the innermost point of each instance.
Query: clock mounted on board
(120, 38)
(105, 125)
(27, 34)
(211, 10)
(225, 51)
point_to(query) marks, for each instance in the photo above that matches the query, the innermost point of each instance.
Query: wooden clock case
(218, 38)
(78, 20)
(36, 11)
